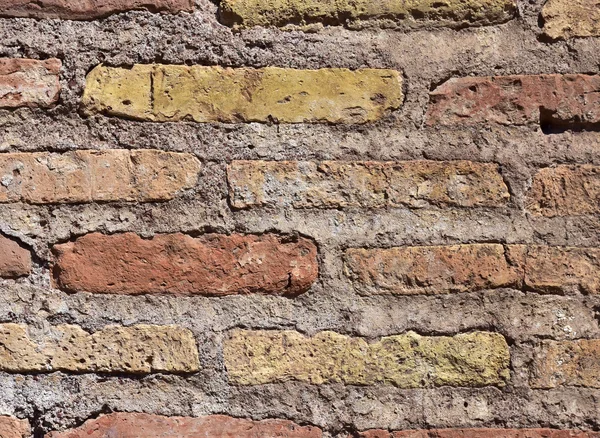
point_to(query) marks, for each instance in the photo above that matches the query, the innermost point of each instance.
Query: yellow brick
(565, 19)
(93, 176)
(137, 349)
(247, 13)
(164, 93)
(406, 361)
(339, 184)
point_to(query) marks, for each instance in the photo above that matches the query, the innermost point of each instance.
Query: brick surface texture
(406, 361)
(86, 10)
(300, 218)
(28, 82)
(214, 426)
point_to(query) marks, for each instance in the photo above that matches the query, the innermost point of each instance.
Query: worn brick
(87, 10)
(479, 433)
(165, 93)
(133, 425)
(566, 190)
(11, 427)
(15, 261)
(339, 184)
(138, 349)
(553, 101)
(406, 361)
(28, 82)
(569, 363)
(564, 19)
(433, 269)
(95, 176)
(212, 264)
(467, 268)
(247, 13)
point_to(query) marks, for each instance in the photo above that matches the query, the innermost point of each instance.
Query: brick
(479, 433)
(564, 19)
(338, 184)
(569, 363)
(139, 349)
(87, 10)
(247, 13)
(432, 269)
(566, 190)
(553, 101)
(170, 93)
(28, 82)
(469, 268)
(406, 361)
(132, 425)
(15, 261)
(95, 176)
(11, 427)
(178, 264)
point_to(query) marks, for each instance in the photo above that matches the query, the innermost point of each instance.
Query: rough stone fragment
(247, 13)
(479, 433)
(28, 82)
(565, 190)
(178, 264)
(11, 427)
(169, 93)
(15, 261)
(406, 361)
(88, 9)
(95, 176)
(339, 184)
(139, 349)
(132, 425)
(553, 101)
(564, 19)
(569, 363)
(432, 269)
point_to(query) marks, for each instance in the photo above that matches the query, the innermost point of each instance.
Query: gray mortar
(427, 57)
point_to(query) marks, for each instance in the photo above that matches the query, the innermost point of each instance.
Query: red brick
(214, 426)
(11, 427)
(86, 10)
(516, 100)
(480, 433)
(28, 82)
(178, 264)
(14, 260)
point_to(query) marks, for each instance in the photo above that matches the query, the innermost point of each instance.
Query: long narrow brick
(565, 190)
(564, 19)
(433, 269)
(548, 100)
(11, 427)
(133, 425)
(15, 261)
(247, 13)
(178, 264)
(569, 363)
(339, 184)
(169, 93)
(406, 361)
(140, 349)
(95, 176)
(86, 10)
(479, 433)
(469, 268)
(28, 82)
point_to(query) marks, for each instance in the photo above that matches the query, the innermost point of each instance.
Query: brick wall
(300, 218)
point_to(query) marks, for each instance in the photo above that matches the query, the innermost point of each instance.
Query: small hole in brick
(127, 102)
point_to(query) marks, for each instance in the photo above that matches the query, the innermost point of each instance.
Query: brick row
(467, 268)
